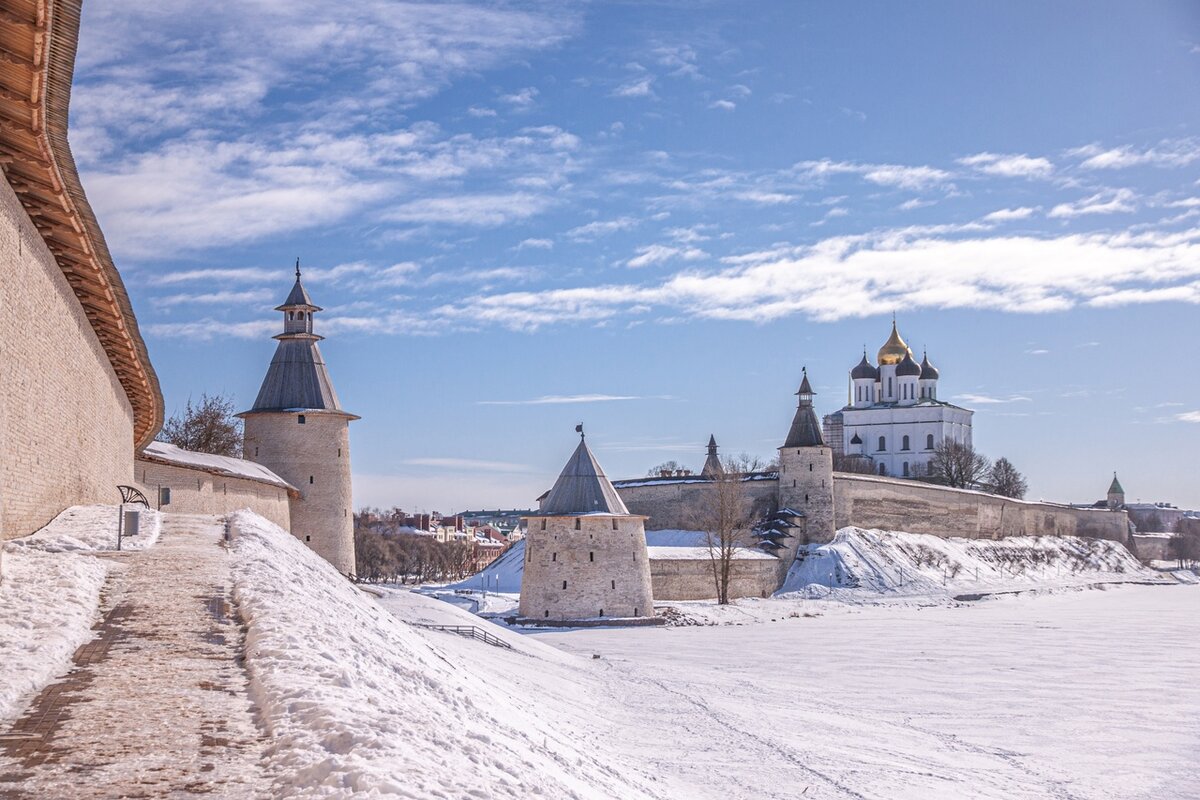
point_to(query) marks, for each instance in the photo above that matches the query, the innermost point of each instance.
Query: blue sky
(648, 216)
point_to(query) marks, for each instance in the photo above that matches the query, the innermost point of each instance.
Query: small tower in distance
(585, 554)
(1116, 494)
(806, 471)
(297, 429)
(712, 464)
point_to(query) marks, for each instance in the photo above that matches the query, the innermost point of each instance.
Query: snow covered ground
(1080, 694)
(50, 595)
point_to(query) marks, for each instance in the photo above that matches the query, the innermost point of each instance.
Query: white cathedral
(893, 419)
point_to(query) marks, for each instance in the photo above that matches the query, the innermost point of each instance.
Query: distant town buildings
(894, 420)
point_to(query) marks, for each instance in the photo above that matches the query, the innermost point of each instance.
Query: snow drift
(359, 703)
(889, 562)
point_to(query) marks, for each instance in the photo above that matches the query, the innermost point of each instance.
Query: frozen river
(1088, 694)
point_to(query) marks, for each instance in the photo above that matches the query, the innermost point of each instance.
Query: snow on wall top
(218, 465)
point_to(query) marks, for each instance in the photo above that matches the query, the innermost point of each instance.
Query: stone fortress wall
(596, 570)
(315, 458)
(198, 491)
(66, 424)
(692, 578)
(867, 501)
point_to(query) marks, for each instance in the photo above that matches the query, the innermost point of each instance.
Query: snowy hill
(358, 703)
(889, 562)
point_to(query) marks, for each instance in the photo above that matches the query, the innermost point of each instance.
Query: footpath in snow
(156, 703)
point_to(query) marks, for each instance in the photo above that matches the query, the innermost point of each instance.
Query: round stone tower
(299, 431)
(585, 554)
(806, 471)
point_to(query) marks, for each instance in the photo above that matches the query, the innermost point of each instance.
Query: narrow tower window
(614, 523)
(577, 521)
(904, 443)
(543, 524)
(929, 441)
(591, 556)
(564, 584)
(310, 478)
(614, 584)
(882, 443)
(300, 419)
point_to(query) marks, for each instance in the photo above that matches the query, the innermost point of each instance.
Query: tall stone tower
(585, 554)
(806, 470)
(1116, 494)
(298, 429)
(712, 464)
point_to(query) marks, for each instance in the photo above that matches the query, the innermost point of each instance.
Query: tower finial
(579, 430)
(297, 267)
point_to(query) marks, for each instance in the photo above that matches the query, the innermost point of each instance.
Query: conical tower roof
(712, 464)
(1115, 486)
(583, 488)
(805, 430)
(297, 378)
(298, 297)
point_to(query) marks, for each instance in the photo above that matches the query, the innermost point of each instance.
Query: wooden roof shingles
(38, 40)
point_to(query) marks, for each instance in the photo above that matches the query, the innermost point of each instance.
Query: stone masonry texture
(66, 426)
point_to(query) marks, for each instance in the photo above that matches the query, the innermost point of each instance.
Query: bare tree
(958, 465)
(1185, 548)
(1006, 480)
(207, 427)
(667, 466)
(726, 516)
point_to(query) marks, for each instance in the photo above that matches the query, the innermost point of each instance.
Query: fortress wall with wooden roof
(77, 392)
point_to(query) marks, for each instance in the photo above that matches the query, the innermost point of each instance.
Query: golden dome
(894, 349)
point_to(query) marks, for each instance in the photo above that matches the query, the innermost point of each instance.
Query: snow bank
(890, 562)
(93, 528)
(359, 704)
(50, 594)
(502, 575)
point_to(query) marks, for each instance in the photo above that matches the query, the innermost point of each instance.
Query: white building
(893, 416)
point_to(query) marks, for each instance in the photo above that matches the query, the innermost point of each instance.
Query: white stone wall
(673, 506)
(66, 426)
(899, 505)
(315, 458)
(595, 570)
(692, 579)
(893, 423)
(194, 491)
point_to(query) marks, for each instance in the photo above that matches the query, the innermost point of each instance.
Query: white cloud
(841, 276)
(1037, 351)
(480, 111)
(984, 399)
(894, 175)
(660, 253)
(1189, 416)
(536, 244)
(472, 464)
(1009, 166)
(638, 87)
(221, 298)
(764, 198)
(1009, 214)
(723, 105)
(563, 399)
(1105, 202)
(1167, 153)
(485, 210)
(522, 98)
(914, 203)
(601, 228)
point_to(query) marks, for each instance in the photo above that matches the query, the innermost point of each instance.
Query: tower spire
(297, 267)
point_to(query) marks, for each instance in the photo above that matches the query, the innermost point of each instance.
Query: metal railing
(471, 632)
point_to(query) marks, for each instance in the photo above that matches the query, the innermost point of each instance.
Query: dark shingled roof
(583, 488)
(297, 378)
(298, 297)
(712, 464)
(805, 430)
